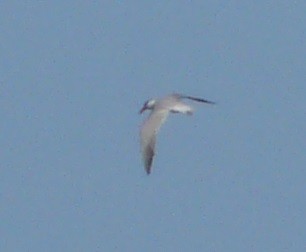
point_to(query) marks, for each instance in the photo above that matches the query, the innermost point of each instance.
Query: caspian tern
(160, 111)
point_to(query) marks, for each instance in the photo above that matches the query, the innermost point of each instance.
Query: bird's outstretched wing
(148, 136)
(196, 99)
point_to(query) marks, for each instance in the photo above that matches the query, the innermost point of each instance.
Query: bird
(160, 109)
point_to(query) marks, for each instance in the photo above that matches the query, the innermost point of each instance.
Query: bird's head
(148, 105)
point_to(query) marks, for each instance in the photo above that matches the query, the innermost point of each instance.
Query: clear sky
(73, 76)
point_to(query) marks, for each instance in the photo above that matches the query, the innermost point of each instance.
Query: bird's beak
(143, 109)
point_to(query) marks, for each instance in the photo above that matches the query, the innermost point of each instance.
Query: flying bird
(160, 110)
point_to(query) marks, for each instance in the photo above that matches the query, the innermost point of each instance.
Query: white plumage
(160, 111)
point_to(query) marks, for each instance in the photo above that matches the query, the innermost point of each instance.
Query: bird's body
(160, 111)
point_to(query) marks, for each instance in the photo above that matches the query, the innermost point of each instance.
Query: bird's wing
(148, 136)
(197, 99)
(174, 104)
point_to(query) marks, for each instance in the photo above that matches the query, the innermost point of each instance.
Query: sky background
(74, 74)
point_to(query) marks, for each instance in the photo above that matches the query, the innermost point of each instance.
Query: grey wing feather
(148, 159)
(148, 136)
(198, 99)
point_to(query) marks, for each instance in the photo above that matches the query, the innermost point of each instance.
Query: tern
(160, 110)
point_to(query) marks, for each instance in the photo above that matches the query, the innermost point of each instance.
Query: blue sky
(73, 76)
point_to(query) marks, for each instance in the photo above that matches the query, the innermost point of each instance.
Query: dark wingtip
(148, 167)
(210, 102)
(149, 161)
(199, 100)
